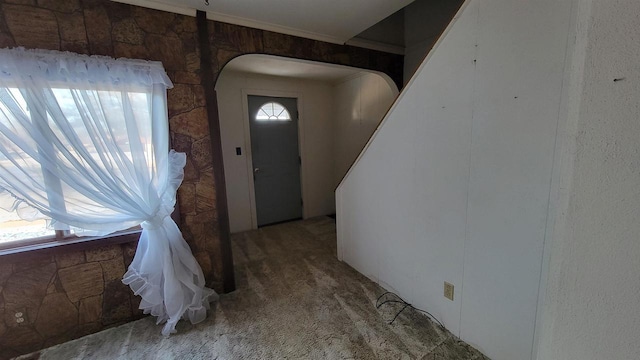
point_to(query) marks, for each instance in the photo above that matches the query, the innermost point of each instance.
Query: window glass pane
(90, 124)
(12, 228)
(273, 112)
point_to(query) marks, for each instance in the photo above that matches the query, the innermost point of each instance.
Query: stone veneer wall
(57, 295)
(68, 292)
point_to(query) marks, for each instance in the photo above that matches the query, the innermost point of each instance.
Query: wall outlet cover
(448, 290)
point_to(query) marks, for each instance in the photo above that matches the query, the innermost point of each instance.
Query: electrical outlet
(448, 290)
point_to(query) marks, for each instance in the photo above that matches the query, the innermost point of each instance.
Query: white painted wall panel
(593, 297)
(403, 206)
(455, 184)
(360, 104)
(520, 63)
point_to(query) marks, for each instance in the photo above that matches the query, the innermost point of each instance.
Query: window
(273, 111)
(71, 106)
(84, 141)
(79, 137)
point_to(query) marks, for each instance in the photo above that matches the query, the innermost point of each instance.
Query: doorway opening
(335, 112)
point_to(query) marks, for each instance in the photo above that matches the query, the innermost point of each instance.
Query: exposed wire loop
(406, 305)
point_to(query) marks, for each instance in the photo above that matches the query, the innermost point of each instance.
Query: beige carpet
(295, 300)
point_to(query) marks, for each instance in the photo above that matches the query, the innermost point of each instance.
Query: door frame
(249, 153)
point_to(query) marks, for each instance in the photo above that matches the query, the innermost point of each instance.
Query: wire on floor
(398, 299)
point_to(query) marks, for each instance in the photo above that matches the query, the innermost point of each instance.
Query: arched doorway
(338, 110)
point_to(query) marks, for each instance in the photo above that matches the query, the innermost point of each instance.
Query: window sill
(71, 243)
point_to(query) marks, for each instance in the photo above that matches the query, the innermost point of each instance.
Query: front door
(276, 160)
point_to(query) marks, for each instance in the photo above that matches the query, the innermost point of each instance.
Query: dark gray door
(276, 162)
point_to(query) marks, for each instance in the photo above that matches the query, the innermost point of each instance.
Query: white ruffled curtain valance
(71, 68)
(84, 141)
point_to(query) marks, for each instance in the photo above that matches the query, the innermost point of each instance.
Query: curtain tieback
(158, 219)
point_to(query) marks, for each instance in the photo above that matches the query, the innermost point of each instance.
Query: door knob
(256, 170)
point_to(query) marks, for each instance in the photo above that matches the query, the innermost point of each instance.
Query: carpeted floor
(295, 300)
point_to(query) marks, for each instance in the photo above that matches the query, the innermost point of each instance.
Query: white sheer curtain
(84, 141)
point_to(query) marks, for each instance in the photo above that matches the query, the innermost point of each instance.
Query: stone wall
(56, 295)
(63, 294)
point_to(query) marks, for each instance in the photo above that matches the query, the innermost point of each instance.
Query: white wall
(593, 298)
(316, 145)
(455, 184)
(360, 103)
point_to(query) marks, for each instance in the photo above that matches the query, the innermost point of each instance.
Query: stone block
(72, 28)
(201, 153)
(3, 327)
(117, 11)
(276, 43)
(104, 253)
(186, 77)
(206, 191)
(32, 27)
(30, 260)
(64, 260)
(166, 49)
(181, 143)
(76, 47)
(116, 305)
(180, 99)
(82, 281)
(187, 199)
(124, 50)
(204, 260)
(135, 305)
(57, 315)
(193, 61)
(21, 2)
(27, 288)
(153, 21)
(128, 252)
(113, 269)
(200, 97)
(190, 44)
(90, 309)
(52, 287)
(6, 40)
(22, 340)
(98, 27)
(6, 269)
(185, 24)
(201, 219)
(86, 329)
(191, 173)
(212, 238)
(66, 6)
(193, 123)
(127, 31)
(223, 56)
(237, 38)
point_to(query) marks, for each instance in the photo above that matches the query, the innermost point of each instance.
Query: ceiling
(301, 69)
(333, 21)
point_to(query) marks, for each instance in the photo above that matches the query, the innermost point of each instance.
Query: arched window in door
(272, 111)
